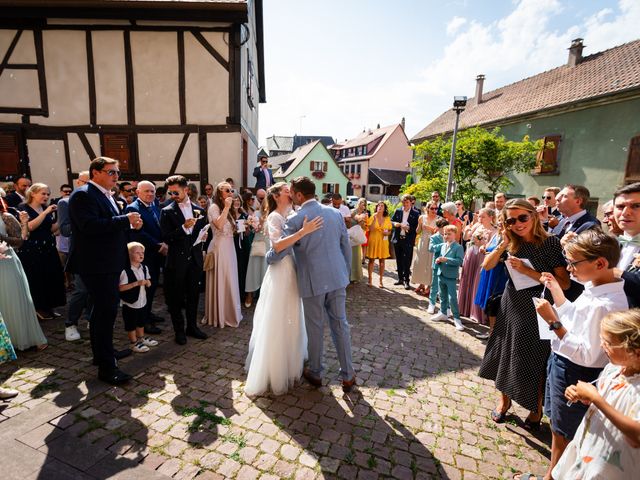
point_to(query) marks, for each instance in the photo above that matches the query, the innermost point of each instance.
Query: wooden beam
(42, 77)
(204, 158)
(21, 66)
(10, 50)
(87, 146)
(128, 65)
(67, 159)
(181, 80)
(176, 160)
(24, 111)
(209, 48)
(91, 78)
(235, 79)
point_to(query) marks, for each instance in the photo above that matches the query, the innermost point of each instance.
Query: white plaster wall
(157, 152)
(206, 84)
(155, 77)
(225, 156)
(65, 59)
(10, 118)
(19, 88)
(25, 51)
(219, 41)
(6, 37)
(394, 154)
(80, 159)
(47, 163)
(111, 83)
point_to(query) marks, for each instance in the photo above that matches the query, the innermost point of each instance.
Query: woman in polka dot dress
(515, 357)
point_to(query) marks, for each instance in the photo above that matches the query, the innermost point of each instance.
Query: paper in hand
(520, 280)
(543, 327)
(201, 234)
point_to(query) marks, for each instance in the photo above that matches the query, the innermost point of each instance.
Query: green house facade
(312, 160)
(589, 109)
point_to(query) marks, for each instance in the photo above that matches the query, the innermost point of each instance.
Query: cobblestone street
(420, 410)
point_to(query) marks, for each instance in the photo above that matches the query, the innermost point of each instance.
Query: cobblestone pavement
(420, 410)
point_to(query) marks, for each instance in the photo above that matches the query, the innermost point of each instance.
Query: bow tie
(634, 241)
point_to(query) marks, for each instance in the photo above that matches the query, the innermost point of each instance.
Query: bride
(278, 344)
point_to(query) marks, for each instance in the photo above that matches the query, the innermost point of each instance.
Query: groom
(323, 263)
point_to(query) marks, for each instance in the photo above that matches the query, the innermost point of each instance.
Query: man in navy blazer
(150, 235)
(21, 185)
(264, 177)
(99, 254)
(405, 223)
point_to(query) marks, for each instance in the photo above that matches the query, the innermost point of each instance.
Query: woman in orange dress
(379, 228)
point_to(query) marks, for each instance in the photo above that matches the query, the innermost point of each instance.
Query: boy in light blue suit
(449, 256)
(434, 245)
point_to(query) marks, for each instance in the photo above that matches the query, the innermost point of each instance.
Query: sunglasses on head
(524, 218)
(172, 193)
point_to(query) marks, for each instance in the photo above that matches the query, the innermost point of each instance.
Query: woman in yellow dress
(379, 226)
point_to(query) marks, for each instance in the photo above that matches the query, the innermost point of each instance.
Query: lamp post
(458, 106)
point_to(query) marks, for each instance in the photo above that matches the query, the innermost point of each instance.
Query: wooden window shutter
(336, 188)
(324, 166)
(547, 159)
(632, 173)
(9, 154)
(118, 146)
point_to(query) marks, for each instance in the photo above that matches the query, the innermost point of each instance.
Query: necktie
(633, 241)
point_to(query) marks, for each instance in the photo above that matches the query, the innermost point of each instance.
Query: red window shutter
(118, 146)
(9, 154)
(633, 162)
(547, 159)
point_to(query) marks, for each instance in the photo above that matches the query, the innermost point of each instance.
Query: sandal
(532, 425)
(499, 417)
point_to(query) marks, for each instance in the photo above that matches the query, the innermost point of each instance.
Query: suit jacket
(454, 256)
(434, 246)
(261, 181)
(100, 234)
(323, 258)
(150, 235)
(410, 237)
(64, 220)
(181, 248)
(13, 199)
(585, 222)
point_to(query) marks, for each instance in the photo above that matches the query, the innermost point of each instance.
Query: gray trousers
(331, 305)
(79, 301)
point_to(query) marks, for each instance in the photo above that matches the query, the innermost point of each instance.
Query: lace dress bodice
(213, 215)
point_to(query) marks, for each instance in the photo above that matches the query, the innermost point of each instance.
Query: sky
(337, 67)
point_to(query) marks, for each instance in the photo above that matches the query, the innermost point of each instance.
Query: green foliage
(409, 180)
(484, 160)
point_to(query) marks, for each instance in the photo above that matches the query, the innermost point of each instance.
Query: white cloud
(454, 25)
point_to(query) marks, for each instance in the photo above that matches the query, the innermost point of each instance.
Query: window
(330, 188)
(118, 146)
(318, 166)
(359, 168)
(632, 173)
(352, 168)
(364, 150)
(9, 154)
(250, 79)
(547, 159)
(374, 189)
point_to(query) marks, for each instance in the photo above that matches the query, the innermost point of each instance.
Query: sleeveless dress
(423, 258)
(278, 345)
(222, 302)
(257, 267)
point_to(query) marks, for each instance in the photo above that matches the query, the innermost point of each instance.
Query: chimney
(575, 52)
(479, 85)
(402, 123)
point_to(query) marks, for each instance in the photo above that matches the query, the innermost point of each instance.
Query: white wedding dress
(278, 345)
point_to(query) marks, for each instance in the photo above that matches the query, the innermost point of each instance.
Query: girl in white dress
(278, 344)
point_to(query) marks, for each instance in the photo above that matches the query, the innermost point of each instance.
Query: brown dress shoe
(312, 379)
(347, 385)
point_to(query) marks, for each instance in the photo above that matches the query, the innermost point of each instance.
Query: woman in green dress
(16, 304)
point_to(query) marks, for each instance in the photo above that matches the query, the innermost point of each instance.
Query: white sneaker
(449, 314)
(139, 347)
(458, 323)
(148, 342)
(7, 393)
(482, 336)
(431, 310)
(71, 334)
(439, 317)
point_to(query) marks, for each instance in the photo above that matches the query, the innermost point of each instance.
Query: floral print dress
(7, 353)
(599, 449)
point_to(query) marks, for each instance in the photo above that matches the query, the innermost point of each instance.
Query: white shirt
(187, 212)
(142, 296)
(628, 252)
(405, 216)
(344, 211)
(267, 178)
(107, 193)
(582, 318)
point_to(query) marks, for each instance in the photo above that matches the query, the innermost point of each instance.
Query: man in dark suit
(572, 202)
(626, 211)
(99, 254)
(181, 222)
(150, 235)
(405, 223)
(21, 185)
(264, 177)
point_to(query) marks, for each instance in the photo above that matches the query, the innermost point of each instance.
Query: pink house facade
(385, 148)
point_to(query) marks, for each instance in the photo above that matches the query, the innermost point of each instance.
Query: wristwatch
(555, 325)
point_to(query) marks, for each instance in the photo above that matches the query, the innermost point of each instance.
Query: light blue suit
(323, 263)
(448, 275)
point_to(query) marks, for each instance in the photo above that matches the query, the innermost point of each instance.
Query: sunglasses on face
(173, 194)
(129, 190)
(433, 208)
(226, 190)
(112, 173)
(66, 192)
(524, 218)
(547, 197)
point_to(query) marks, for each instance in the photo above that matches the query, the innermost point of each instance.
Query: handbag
(258, 248)
(356, 236)
(208, 262)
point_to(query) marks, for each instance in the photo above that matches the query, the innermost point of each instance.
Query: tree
(484, 160)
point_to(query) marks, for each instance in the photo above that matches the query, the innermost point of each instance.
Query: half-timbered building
(165, 86)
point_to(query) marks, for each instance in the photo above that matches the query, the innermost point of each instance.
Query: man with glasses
(264, 177)
(626, 204)
(127, 193)
(99, 254)
(548, 212)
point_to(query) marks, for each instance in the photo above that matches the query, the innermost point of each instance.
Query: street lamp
(458, 106)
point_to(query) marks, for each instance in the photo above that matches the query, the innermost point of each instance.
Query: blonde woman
(423, 259)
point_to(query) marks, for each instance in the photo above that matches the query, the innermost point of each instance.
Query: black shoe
(117, 354)
(156, 318)
(114, 376)
(399, 282)
(195, 332)
(151, 329)
(312, 379)
(407, 286)
(181, 338)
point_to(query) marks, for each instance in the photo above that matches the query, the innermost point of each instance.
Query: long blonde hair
(625, 326)
(539, 233)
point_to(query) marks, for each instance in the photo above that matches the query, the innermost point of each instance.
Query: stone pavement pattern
(420, 410)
